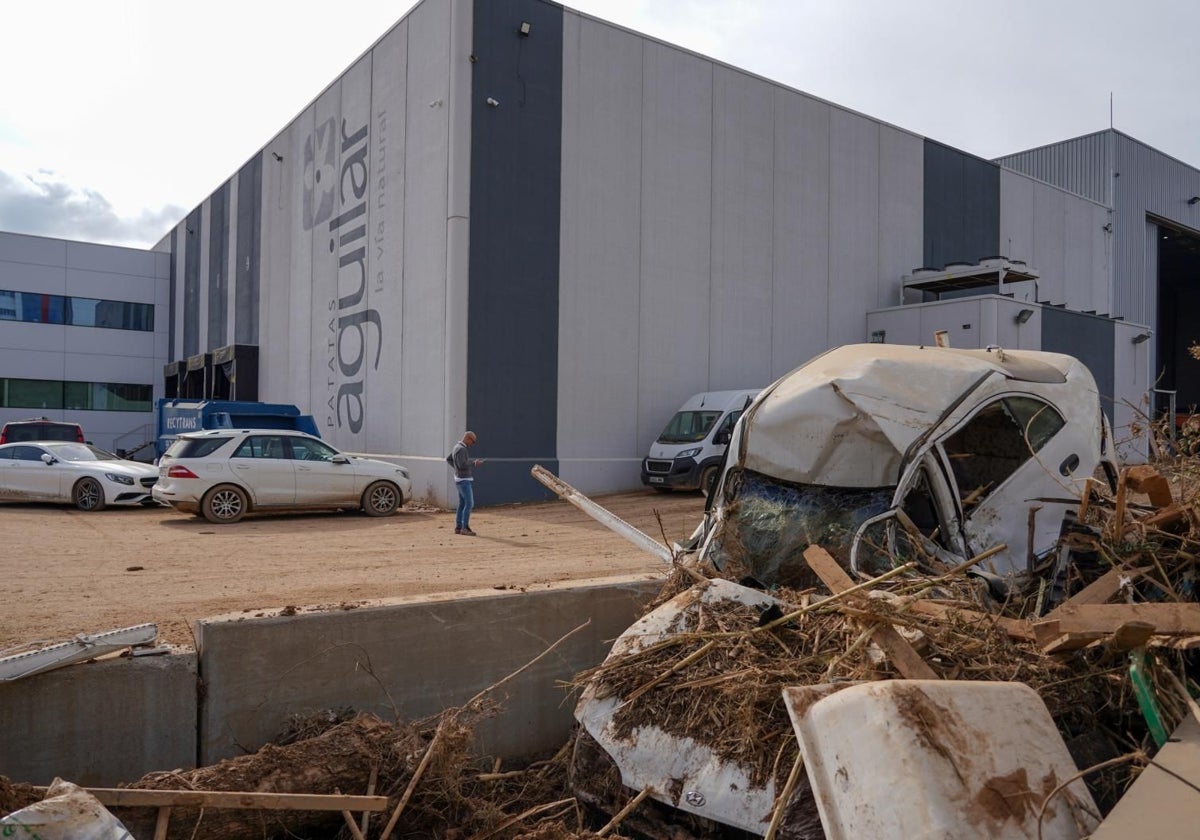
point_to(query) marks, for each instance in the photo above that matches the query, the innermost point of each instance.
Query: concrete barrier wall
(100, 723)
(411, 659)
(103, 723)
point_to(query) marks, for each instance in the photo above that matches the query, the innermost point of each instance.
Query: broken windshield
(767, 524)
(689, 426)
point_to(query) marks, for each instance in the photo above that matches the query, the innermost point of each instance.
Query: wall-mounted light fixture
(493, 102)
(278, 157)
(1023, 316)
(524, 29)
(1194, 199)
(1140, 337)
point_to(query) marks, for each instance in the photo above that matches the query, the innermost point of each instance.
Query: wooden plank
(1168, 618)
(1066, 642)
(1132, 634)
(1015, 627)
(906, 659)
(133, 797)
(1099, 590)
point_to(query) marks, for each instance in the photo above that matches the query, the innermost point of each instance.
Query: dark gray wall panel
(1089, 339)
(512, 327)
(171, 306)
(218, 268)
(191, 284)
(249, 246)
(962, 206)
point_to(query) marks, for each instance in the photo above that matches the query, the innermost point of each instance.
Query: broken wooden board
(1073, 626)
(901, 654)
(1015, 627)
(1101, 589)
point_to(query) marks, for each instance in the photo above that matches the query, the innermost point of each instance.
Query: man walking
(464, 480)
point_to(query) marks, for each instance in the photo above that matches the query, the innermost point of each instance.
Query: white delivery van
(688, 453)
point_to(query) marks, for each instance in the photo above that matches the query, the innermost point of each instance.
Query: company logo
(353, 326)
(320, 155)
(175, 423)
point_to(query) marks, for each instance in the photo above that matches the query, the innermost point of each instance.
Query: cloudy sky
(117, 117)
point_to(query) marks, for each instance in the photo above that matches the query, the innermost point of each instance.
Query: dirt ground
(66, 572)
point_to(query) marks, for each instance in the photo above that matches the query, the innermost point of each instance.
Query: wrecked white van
(880, 454)
(871, 448)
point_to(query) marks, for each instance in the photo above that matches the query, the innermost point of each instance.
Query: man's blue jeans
(466, 501)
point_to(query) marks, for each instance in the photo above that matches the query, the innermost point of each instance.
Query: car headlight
(120, 479)
(689, 453)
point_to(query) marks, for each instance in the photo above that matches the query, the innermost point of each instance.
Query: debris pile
(1105, 640)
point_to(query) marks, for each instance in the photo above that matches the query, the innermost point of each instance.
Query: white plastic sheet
(67, 813)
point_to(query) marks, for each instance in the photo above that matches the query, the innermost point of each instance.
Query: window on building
(75, 396)
(38, 308)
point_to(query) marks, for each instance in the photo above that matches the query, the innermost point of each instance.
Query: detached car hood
(847, 418)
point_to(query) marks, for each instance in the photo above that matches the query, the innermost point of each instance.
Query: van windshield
(689, 426)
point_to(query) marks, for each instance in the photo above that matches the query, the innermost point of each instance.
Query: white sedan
(222, 474)
(76, 473)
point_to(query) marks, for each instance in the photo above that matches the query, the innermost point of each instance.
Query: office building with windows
(83, 335)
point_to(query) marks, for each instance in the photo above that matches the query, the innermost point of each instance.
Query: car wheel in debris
(381, 498)
(225, 504)
(88, 495)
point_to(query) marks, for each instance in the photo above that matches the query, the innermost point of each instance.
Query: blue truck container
(176, 416)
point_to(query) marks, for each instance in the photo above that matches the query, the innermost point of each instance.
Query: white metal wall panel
(32, 250)
(901, 223)
(131, 261)
(599, 257)
(427, 319)
(1083, 286)
(31, 277)
(853, 224)
(1016, 217)
(676, 228)
(128, 344)
(283, 164)
(799, 326)
(1049, 227)
(739, 349)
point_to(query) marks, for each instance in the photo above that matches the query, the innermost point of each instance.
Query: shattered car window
(688, 426)
(768, 523)
(992, 446)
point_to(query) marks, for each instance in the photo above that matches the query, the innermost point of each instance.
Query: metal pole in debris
(606, 518)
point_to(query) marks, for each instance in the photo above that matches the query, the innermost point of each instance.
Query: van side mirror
(723, 437)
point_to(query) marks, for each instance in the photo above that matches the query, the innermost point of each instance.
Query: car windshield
(769, 523)
(689, 426)
(81, 452)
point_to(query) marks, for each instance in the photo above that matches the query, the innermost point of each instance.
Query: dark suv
(40, 428)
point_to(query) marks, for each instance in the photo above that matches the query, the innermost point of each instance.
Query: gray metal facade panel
(676, 202)
(249, 246)
(800, 307)
(599, 264)
(412, 67)
(853, 224)
(962, 207)
(1089, 339)
(512, 317)
(191, 284)
(218, 259)
(1081, 165)
(742, 232)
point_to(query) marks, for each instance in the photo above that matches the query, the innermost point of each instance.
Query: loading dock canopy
(847, 418)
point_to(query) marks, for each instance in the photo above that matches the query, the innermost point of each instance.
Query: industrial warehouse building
(511, 217)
